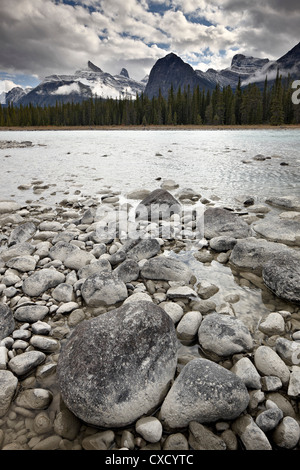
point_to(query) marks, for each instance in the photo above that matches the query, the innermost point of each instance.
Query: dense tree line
(223, 106)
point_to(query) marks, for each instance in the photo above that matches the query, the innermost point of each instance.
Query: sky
(44, 37)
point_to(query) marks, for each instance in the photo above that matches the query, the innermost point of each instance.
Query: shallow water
(211, 162)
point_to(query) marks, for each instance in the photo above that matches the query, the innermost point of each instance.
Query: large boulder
(220, 222)
(71, 255)
(204, 392)
(7, 322)
(167, 269)
(279, 230)
(118, 366)
(252, 253)
(281, 274)
(157, 205)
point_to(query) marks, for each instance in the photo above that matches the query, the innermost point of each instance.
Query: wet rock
(279, 230)
(224, 335)
(268, 362)
(7, 322)
(252, 253)
(205, 392)
(31, 313)
(169, 185)
(252, 437)
(103, 289)
(108, 378)
(149, 428)
(41, 281)
(202, 438)
(138, 194)
(24, 363)
(221, 222)
(287, 433)
(206, 290)
(8, 386)
(158, 205)
(167, 269)
(281, 274)
(22, 233)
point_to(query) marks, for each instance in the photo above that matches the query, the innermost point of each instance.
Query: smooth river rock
(224, 335)
(205, 392)
(281, 274)
(118, 367)
(103, 289)
(42, 280)
(167, 269)
(220, 222)
(252, 253)
(279, 230)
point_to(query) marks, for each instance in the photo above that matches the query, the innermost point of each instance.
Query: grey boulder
(158, 205)
(103, 289)
(224, 335)
(167, 269)
(204, 392)
(41, 281)
(281, 275)
(222, 222)
(22, 233)
(118, 366)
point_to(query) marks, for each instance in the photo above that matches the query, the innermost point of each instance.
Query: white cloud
(7, 85)
(67, 89)
(43, 37)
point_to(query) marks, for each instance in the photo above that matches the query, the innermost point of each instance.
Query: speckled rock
(7, 322)
(8, 386)
(108, 378)
(205, 392)
(42, 280)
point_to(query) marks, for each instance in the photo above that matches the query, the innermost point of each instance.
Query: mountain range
(170, 70)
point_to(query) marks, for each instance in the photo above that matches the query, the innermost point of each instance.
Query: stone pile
(114, 343)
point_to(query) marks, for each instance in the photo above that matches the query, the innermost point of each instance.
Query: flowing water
(213, 162)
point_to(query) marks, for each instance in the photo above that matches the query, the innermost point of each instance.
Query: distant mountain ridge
(168, 71)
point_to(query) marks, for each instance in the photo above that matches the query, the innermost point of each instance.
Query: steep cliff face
(171, 70)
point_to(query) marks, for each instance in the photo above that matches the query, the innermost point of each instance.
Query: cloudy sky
(43, 37)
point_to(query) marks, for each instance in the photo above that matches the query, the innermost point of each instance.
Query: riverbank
(150, 128)
(63, 281)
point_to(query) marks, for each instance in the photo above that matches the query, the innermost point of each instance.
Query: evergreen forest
(250, 105)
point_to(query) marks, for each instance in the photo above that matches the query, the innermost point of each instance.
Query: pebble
(150, 428)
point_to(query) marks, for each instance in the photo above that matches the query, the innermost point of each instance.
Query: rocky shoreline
(113, 343)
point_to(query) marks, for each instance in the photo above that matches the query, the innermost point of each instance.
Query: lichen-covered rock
(118, 367)
(205, 392)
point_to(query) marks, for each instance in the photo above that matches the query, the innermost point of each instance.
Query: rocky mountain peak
(93, 67)
(124, 73)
